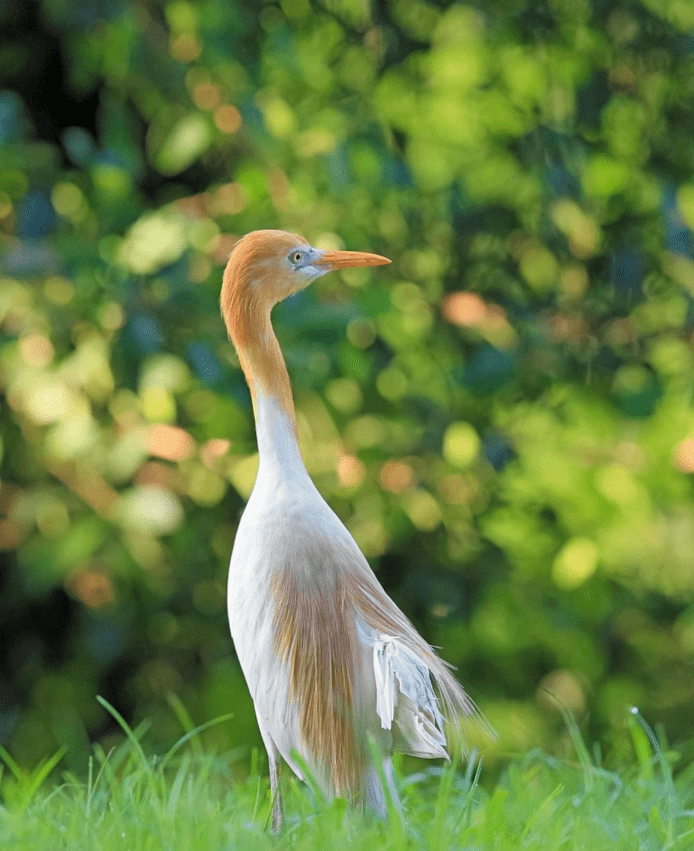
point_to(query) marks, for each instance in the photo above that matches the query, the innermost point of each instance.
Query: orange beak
(346, 259)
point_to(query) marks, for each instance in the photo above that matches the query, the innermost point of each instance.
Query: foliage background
(504, 417)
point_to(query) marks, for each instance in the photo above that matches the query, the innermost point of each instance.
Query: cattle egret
(336, 671)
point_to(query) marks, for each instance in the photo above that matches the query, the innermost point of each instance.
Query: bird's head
(266, 266)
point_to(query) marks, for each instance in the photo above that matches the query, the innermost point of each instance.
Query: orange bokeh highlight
(206, 95)
(214, 449)
(683, 455)
(170, 442)
(465, 309)
(92, 587)
(396, 476)
(469, 310)
(227, 118)
(350, 471)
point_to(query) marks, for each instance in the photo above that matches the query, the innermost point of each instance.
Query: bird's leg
(379, 788)
(277, 816)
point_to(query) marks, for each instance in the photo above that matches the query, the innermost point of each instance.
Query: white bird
(333, 666)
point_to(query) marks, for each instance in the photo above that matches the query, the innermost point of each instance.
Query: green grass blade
(132, 738)
(193, 735)
(185, 720)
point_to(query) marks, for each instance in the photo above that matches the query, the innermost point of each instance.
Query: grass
(187, 799)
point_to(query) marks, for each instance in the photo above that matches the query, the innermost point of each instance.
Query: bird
(340, 678)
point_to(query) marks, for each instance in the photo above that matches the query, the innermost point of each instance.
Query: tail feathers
(405, 695)
(404, 664)
(458, 707)
(416, 733)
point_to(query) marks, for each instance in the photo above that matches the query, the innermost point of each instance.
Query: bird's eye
(296, 256)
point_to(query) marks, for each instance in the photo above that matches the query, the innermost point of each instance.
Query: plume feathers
(321, 594)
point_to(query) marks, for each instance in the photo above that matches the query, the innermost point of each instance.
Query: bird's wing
(405, 695)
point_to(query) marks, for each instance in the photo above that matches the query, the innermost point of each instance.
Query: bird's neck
(273, 405)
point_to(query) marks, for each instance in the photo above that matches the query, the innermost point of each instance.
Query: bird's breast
(283, 557)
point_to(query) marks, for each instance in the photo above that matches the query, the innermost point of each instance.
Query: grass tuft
(189, 799)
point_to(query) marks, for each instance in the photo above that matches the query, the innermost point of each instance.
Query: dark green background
(503, 417)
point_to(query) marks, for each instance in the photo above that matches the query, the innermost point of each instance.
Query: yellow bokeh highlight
(618, 485)
(205, 486)
(158, 405)
(111, 180)
(575, 563)
(604, 176)
(581, 231)
(350, 471)
(68, 201)
(127, 454)
(461, 444)
(392, 383)
(59, 290)
(539, 267)
(366, 431)
(46, 402)
(345, 395)
(154, 241)
(74, 435)
(166, 371)
(278, 114)
(150, 510)
(422, 509)
(685, 203)
(36, 350)
(185, 142)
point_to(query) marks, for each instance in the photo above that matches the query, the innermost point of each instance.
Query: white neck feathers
(278, 446)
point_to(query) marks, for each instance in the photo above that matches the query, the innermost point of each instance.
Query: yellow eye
(296, 256)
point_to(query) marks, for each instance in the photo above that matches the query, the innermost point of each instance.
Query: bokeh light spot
(47, 402)
(206, 95)
(350, 471)
(154, 241)
(562, 690)
(227, 118)
(59, 290)
(396, 476)
(367, 431)
(345, 395)
(214, 449)
(150, 509)
(36, 350)
(423, 510)
(461, 444)
(158, 405)
(361, 333)
(92, 587)
(464, 308)
(575, 563)
(170, 442)
(683, 455)
(185, 48)
(392, 383)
